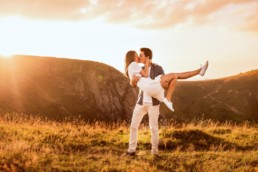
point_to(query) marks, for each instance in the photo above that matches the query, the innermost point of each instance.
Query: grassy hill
(65, 88)
(231, 98)
(34, 144)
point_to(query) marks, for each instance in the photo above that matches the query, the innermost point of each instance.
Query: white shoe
(204, 68)
(168, 104)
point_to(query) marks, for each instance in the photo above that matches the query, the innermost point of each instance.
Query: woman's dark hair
(129, 58)
(147, 52)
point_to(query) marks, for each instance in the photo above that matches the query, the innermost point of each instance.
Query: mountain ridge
(60, 88)
(65, 88)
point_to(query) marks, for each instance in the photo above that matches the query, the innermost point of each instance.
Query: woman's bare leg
(168, 82)
(182, 75)
(165, 79)
(171, 88)
(186, 75)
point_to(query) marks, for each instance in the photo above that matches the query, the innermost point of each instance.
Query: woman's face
(136, 59)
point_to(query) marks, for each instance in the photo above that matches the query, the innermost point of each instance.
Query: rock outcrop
(60, 88)
(65, 88)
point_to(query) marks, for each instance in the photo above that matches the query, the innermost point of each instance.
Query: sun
(6, 54)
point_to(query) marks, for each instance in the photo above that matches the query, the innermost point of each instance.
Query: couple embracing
(152, 82)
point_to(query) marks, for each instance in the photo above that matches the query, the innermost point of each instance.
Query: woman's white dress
(148, 85)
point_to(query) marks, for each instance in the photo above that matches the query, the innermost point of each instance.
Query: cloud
(44, 9)
(251, 24)
(145, 13)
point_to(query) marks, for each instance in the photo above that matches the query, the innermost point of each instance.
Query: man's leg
(153, 122)
(138, 113)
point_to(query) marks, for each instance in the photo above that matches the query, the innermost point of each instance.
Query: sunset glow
(6, 54)
(182, 34)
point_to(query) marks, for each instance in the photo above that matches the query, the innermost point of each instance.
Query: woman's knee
(175, 76)
(171, 76)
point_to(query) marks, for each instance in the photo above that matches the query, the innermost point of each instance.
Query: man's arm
(134, 81)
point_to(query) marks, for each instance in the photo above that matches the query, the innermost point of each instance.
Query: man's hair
(147, 52)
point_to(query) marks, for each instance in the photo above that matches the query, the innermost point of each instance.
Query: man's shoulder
(156, 65)
(158, 70)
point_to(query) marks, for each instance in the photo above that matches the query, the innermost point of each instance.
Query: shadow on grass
(197, 140)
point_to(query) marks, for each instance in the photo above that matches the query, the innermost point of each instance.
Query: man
(146, 104)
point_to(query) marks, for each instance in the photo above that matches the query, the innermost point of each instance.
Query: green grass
(35, 144)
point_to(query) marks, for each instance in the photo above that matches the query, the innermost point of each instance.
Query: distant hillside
(231, 98)
(60, 88)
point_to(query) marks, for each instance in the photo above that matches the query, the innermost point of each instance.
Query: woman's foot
(168, 104)
(204, 68)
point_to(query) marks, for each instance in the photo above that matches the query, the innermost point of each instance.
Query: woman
(156, 88)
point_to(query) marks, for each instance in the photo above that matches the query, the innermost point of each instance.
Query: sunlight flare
(6, 54)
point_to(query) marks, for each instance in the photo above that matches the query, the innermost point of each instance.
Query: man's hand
(148, 63)
(165, 84)
(134, 80)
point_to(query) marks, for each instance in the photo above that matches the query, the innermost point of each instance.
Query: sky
(182, 34)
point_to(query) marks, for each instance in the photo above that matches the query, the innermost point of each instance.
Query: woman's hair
(129, 58)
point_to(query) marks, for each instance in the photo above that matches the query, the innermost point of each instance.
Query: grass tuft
(36, 144)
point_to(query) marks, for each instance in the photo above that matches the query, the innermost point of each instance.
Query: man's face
(142, 57)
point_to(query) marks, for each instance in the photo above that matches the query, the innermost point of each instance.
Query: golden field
(36, 144)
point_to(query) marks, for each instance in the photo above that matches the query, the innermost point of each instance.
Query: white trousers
(138, 113)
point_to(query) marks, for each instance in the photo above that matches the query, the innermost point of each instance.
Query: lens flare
(6, 54)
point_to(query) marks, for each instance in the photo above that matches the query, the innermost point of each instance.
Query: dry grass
(35, 144)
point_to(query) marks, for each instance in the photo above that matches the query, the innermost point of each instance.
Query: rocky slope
(65, 88)
(232, 98)
(60, 88)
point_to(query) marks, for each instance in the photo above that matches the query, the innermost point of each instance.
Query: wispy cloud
(241, 14)
(46, 9)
